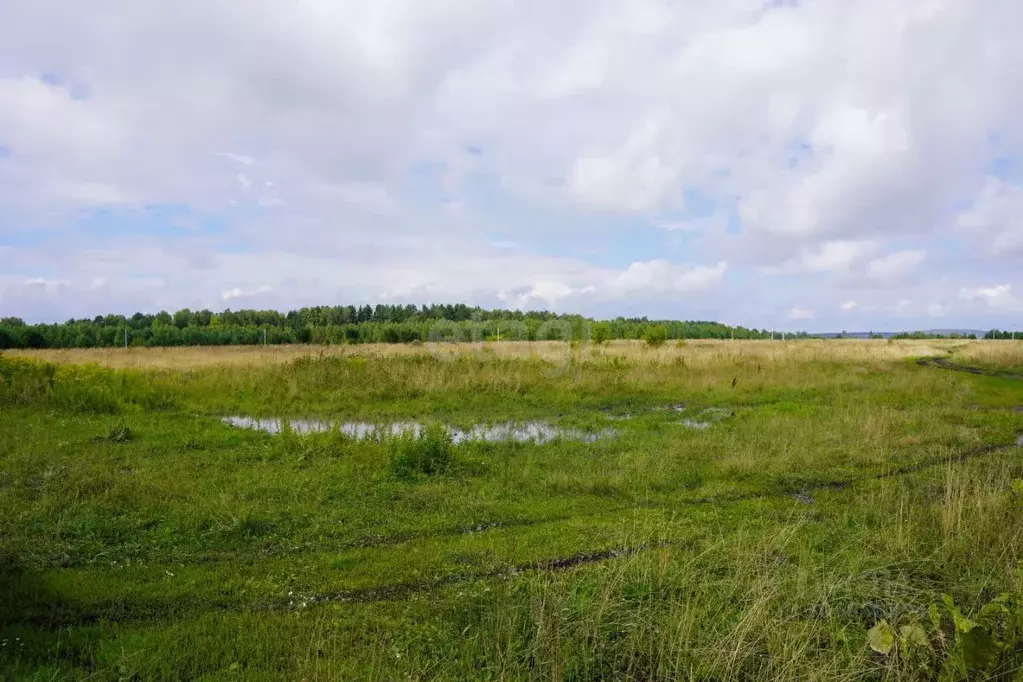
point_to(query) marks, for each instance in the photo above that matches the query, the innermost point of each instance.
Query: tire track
(945, 363)
(59, 615)
(397, 591)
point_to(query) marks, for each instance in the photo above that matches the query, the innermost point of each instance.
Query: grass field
(812, 510)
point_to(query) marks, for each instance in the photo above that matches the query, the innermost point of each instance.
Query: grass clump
(119, 433)
(427, 454)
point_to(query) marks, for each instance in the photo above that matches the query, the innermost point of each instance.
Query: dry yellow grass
(993, 353)
(697, 353)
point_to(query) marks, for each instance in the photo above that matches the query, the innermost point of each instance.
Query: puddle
(680, 407)
(538, 432)
(625, 416)
(521, 432)
(699, 419)
(706, 417)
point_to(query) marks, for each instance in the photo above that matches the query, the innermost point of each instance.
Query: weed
(952, 645)
(119, 433)
(425, 454)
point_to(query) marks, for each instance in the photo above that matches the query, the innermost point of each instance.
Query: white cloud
(894, 265)
(95, 193)
(237, 292)
(995, 219)
(45, 282)
(999, 296)
(550, 293)
(837, 257)
(799, 313)
(849, 305)
(659, 276)
(238, 158)
(657, 279)
(632, 177)
(364, 196)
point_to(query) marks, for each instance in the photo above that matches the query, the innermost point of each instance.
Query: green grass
(142, 538)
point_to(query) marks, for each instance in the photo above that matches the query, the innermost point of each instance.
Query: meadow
(813, 510)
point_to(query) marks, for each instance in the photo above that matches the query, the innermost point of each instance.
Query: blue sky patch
(1003, 167)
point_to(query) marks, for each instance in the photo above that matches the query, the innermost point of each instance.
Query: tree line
(999, 334)
(352, 324)
(368, 324)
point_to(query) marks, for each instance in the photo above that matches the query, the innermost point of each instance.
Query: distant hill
(887, 335)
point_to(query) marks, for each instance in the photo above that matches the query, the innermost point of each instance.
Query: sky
(816, 164)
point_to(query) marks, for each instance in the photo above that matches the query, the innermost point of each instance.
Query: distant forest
(364, 324)
(351, 324)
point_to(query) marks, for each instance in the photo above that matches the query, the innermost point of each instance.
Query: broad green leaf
(881, 637)
(935, 616)
(962, 623)
(979, 648)
(988, 615)
(912, 637)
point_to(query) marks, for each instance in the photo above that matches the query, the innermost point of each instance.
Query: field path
(945, 363)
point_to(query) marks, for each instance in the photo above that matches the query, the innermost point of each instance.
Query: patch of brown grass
(993, 354)
(693, 354)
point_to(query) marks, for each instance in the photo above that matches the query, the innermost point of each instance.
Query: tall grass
(142, 538)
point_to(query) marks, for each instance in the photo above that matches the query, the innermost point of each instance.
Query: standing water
(521, 432)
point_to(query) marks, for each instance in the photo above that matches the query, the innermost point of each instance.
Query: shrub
(600, 333)
(655, 335)
(429, 453)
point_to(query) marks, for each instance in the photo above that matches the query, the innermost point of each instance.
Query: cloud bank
(821, 163)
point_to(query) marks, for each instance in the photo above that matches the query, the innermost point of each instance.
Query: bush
(655, 335)
(600, 333)
(427, 454)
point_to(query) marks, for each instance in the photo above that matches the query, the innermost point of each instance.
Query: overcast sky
(819, 165)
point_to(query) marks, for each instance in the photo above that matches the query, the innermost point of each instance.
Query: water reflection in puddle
(522, 432)
(700, 418)
(706, 418)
